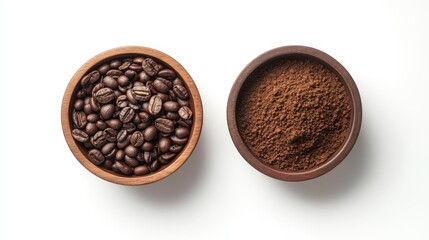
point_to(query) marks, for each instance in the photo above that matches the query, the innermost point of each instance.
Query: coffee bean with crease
(79, 119)
(137, 139)
(150, 66)
(181, 92)
(155, 105)
(164, 125)
(132, 115)
(90, 78)
(185, 112)
(104, 95)
(141, 93)
(80, 135)
(96, 157)
(126, 115)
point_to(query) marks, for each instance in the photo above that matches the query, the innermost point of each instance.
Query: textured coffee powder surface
(293, 114)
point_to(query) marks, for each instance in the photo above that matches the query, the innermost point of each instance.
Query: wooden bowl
(81, 154)
(294, 52)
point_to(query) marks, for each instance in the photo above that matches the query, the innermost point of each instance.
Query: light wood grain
(195, 101)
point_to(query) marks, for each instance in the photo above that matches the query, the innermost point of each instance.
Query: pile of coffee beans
(133, 115)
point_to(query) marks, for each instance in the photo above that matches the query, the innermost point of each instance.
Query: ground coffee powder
(293, 114)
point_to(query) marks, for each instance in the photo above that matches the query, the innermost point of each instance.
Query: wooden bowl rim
(195, 100)
(292, 52)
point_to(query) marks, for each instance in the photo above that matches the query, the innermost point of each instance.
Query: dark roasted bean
(126, 115)
(164, 144)
(123, 168)
(80, 135)
(79, 119)
(111, 134)
(155, 105)
(107, 111)
(150, 66)
(150, 133)
(141, 170)
(164, 125)
(185, 113)
(167, 74)
(114, 123)
(90, 78)
(91, 129)
(120, 155)
(137, 139)
(179, 141)
(141, 93)
(99, 139)
(78, 105)
(181, 92)
(176, 148)
(171, 106)
(96, 157)
(147, 146)
(104, 68)
(130, 161)
(110, 82)
(104, 95)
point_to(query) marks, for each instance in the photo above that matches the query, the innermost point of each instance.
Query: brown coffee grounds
(293, 114)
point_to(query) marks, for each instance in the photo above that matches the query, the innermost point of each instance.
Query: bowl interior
(194, 99)
(290, 53)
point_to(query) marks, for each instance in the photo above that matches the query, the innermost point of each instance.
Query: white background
(380, 191)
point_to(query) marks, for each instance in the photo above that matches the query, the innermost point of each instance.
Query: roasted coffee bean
(91, 129)
(185, 112)
(171, 106)
(145, 107)
(97, 87)
(88, 88)
(87, 109)
(114, 123)
(123, 80)
(92, 117)
(185, 123)
(122, 101)
(99, 139)
(131, 75)
(166, 158)
(123, 168)
(172, 95)
(131, 151)
(164, 97)
(110, 82)
(124, 66)
(95, 106)
(107, 111)
(104, 95)
(115, 63)
(176, 148)
(108, 148)
(164, 125)
(101, 125)
(111, 154)
(80, 135)
(96, 157)
(181, 132)
(108, 164)
(143, 77)
(135, 107)
(177, 81)
(111, 134)
(183, 103)
(119, 155)
(181, 92)
(129, 127)
(78, 105)
(160, 86)
(150, 66)
(154, 166)
(155, 105)
(144, 117)
(136, 67)
(125, 89)
(141, 93)
(114, 73)
(122, 135)
(130, 97)
(147, 146)
(90, 78)
(137, 139)
(130, 161)
(81, 94)
(164, 144)
(141, 170)
(179, 141)
(172, 116)
(150, 133)
(127, 115)
(167, 74)
(147, 157)
(150, 86)
(124, 143)
(104, 68)
(79, 119)
(138, 60)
